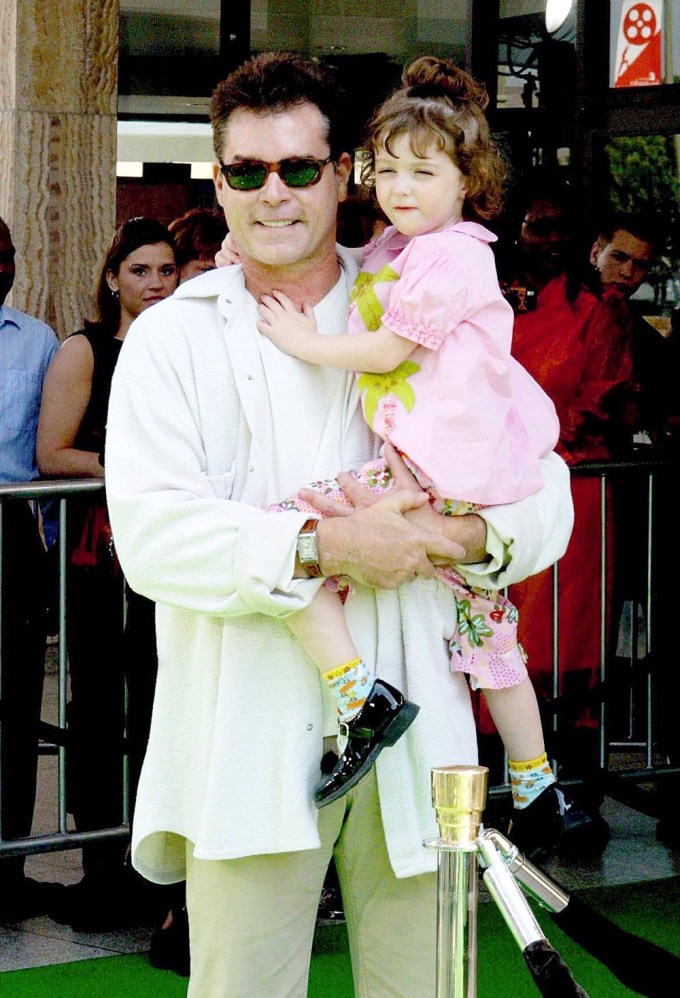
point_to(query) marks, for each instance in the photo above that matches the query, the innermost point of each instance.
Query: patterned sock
(529, 779)
(350, 684)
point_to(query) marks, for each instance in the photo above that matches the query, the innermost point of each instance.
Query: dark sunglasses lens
(299, 172)
(246, 176)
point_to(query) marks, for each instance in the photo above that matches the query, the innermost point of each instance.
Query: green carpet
(650, 910)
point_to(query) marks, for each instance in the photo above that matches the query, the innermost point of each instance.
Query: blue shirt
(27, 346)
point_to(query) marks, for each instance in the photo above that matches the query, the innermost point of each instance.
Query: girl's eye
(139, 271)
(168, 271)
(385, 169)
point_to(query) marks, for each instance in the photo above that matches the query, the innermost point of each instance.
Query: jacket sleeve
(608, 365)
(180, 538)
(527, 536)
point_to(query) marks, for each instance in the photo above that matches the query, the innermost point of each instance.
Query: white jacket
(208, 422)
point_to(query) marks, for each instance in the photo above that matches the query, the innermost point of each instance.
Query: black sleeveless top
(106, 349)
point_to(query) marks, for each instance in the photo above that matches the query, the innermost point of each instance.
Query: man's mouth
(277, 223)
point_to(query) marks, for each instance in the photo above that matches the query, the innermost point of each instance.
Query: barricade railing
(653, 472)
(650, 475)
(63, 491)
(645, 656)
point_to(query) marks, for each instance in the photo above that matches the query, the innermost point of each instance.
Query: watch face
(307, 550)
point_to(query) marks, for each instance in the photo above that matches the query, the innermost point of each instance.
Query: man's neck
(307, 283)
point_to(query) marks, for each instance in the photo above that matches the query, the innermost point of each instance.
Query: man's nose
(274, 191)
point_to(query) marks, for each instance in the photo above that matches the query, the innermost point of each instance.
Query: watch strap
(310, 565)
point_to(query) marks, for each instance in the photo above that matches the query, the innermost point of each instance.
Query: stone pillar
(58, 105)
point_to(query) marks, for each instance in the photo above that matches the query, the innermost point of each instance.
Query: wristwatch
(308, 550)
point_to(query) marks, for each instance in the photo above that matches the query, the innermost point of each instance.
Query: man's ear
(343, 171)
(218, 180)
(595, 252)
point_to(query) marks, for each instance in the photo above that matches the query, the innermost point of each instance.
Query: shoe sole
(393, 732)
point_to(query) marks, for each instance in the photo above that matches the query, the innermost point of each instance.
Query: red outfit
(578, 352)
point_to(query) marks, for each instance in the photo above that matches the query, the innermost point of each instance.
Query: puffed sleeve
(431, 296)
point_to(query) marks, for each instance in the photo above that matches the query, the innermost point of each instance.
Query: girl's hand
(282, 323)
(228, 252)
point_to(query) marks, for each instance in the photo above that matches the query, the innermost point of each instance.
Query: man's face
(7, 268)
(544, 236)
(624, 262)
(281, 226)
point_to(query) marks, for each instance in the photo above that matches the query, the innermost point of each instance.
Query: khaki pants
(252, 920)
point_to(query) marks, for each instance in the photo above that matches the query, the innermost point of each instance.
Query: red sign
(639, 60)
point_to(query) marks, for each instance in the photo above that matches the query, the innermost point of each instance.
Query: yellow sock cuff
(524, 767)
(341, 670)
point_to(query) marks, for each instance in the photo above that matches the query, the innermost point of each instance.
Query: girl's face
(418, 193)
(145, 277)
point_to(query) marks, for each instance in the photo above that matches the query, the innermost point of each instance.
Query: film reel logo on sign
(638, 49)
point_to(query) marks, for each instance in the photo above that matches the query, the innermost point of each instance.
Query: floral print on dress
(376, 387)
(366, 300)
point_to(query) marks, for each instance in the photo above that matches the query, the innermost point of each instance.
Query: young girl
(429, 323)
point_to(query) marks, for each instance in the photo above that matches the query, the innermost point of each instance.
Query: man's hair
(274, 82)
(646, 228)
(198, 234)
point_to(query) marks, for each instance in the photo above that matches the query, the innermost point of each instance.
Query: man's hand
(467, 533)
(379, 547)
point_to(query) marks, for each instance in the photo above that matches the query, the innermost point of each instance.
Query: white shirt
(207, 423)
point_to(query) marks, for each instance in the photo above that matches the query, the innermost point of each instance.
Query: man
(208, 423)
(624, 252)
(529, 258)
(26, 348)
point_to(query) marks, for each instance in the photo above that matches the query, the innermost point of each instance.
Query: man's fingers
(401, 475)
(442, 549)
(326, 505)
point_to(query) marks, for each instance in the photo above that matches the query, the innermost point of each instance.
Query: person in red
(576, 342)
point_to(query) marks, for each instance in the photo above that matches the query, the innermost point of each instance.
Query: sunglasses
(251, 174)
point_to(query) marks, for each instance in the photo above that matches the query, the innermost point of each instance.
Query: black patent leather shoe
(382, 720)
(554, 824)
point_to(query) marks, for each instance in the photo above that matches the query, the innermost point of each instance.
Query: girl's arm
(66, 393)
(295, 333)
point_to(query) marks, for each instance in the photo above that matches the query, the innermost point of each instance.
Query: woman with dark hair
(139, 270)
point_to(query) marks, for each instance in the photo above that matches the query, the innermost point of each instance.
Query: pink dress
(470, 419)
(470, 422)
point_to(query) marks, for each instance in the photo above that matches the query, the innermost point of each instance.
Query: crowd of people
(225, 400)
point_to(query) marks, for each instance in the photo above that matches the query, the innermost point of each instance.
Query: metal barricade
(635, 674)
(62, 838)
(651, 471)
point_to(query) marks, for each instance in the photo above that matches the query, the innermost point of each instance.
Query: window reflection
(536, 68)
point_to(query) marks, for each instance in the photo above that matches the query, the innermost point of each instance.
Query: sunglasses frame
(320, 164)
